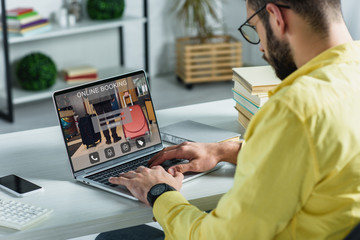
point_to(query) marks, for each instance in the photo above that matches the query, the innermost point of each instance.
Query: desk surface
(40, 156)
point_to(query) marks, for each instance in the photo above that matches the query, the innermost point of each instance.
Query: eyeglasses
(249, 31)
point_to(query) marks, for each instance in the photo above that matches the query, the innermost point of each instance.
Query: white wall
(162, 34)
(352, 17)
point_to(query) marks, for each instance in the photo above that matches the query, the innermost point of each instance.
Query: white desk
(40, 156)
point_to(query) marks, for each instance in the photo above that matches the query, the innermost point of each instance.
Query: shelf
(81, 27)
(21, 96)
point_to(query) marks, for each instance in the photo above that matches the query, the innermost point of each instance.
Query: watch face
(158, 189)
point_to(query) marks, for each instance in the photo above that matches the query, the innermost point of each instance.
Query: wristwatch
(156, 191)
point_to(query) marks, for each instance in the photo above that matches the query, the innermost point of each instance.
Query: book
(35, 31)
(80, 80)
(18, 11)
(15, 23)
(79, 70)
(27, 26)
(258, 100)
(22, 16)
(244, 111)
(248, 105)
(88, 76)
(243, 120)
(28, 29)
(256, 80)
(195, 132)
(34, 23)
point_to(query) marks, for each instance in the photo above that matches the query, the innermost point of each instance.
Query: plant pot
(207, 60)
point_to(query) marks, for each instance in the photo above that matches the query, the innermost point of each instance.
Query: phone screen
(18, 184)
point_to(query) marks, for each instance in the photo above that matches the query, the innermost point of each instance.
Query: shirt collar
(342, 53)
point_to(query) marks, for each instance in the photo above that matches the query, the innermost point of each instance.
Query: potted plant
(204, 56)
(36, 72)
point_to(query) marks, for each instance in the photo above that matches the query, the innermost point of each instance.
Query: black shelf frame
(8, 115)
(146, 37)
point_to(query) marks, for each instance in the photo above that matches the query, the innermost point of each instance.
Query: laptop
(109, 127)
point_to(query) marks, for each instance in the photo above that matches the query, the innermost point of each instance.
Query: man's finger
(178, 176)
(157, 167)
(160, 155)
(171, 154)
(140, 169)
(182, 168)
(130, 174)
(119, 180)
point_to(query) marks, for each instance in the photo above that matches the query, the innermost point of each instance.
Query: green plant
(196, 14)
(36, 71)
(105, 9)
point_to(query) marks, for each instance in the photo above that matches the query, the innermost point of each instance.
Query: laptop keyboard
(103, 177)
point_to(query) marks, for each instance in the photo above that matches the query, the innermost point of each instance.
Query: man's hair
(318, 13)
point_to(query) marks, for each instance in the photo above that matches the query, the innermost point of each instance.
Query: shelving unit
(20, 96)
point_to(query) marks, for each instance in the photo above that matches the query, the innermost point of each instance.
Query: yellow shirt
(298, 175)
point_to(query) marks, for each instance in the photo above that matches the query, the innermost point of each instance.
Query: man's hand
(142, 179)
(202, 156)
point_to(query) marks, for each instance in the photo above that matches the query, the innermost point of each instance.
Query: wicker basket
(212, 59)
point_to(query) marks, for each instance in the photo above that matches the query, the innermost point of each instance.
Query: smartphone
(18, 186)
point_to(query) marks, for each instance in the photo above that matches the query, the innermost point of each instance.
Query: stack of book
(80, 74)
(25, 22)
(250, 92)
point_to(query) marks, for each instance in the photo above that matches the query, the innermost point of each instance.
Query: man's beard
(280, 56)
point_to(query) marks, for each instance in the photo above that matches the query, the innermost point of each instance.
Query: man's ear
(276, 19)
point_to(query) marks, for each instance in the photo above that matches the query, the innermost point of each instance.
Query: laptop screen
(107, 119)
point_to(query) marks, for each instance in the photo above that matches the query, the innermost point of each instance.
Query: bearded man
(298, 170)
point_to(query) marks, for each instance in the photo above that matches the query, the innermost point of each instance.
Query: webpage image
(107, 121)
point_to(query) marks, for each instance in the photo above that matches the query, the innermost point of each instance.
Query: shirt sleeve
(275, 175)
